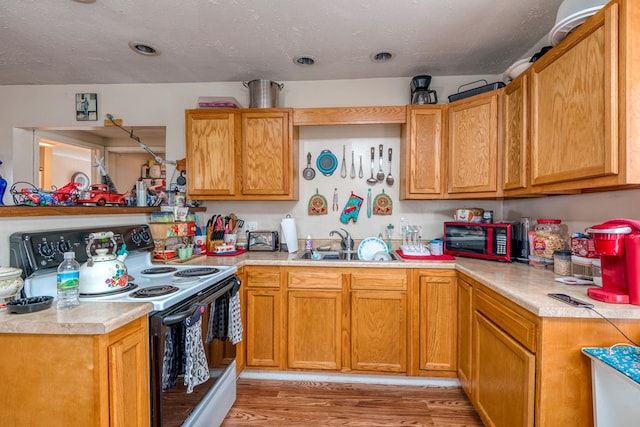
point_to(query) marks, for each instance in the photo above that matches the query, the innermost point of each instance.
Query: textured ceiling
(84, 42)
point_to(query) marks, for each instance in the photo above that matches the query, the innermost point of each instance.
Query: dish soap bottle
(68, 282)
(309, 243)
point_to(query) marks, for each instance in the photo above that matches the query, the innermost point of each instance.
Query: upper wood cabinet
(515, 125)
(246, 154)
(422, 153)
(473, 150)
(585, 105)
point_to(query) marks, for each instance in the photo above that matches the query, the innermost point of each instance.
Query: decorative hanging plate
(382, 204)
(317, 204)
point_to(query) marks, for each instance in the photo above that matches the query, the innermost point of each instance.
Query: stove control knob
(46, 249)
(64, 246)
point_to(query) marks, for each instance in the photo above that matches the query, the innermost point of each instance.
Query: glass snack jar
(550, 237)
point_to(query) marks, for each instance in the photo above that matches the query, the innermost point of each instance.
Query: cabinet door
(473, 138)
(314, 329)
(465, 325)
(438, 320)
(212, 150)
(422, 154)
(515, 125)
(503, 376)
(379, 331)
(263, 328)
(267, 163)
(574, 106)
(128, 360)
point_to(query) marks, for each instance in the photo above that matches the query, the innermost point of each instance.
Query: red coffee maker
(617, 242)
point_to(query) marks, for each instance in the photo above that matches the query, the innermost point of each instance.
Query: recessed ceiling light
(382, 56)
(84, 1)
(304, 60)
(144, 48)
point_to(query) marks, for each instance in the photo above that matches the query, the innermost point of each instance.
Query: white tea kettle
(103, 271)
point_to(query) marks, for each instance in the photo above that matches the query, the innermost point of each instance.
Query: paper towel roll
(289, 234)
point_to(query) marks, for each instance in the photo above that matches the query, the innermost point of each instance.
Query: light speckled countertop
(520, 283)
(88, 318)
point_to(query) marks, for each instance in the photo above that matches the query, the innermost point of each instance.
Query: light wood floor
(298, 403)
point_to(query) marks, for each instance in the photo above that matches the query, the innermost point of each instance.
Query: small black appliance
(420, 92)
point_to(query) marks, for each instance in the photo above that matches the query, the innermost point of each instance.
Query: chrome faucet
(347, 242)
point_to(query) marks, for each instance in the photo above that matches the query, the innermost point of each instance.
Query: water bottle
(141, 194)
(68, 282)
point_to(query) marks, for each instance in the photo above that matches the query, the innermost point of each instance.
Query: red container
(608, 239)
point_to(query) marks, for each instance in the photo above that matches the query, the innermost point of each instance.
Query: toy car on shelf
(101, 195)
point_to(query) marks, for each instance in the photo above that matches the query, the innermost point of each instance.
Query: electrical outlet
(251, 225)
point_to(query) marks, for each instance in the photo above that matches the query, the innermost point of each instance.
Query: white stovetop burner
(45, 284)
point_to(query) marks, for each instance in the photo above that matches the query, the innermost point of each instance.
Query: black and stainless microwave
(495, 241)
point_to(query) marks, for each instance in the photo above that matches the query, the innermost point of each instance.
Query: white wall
(163, 105)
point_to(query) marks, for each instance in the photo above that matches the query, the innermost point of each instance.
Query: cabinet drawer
(380, 280)
(513, 323)
(321, 279)
(263, 277)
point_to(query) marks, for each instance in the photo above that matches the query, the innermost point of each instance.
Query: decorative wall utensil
(351, 209)
(318, 205)
(382, 204)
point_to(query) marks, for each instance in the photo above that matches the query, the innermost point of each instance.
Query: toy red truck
(101, 195)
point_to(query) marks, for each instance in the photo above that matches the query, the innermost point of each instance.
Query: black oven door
(174, 395)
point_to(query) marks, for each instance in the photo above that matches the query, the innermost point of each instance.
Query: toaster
(263, 241)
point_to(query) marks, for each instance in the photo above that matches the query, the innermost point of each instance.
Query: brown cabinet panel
(267, 154)
(422, 154)
(212, 150)
(314, 326)
(241, 154)
(374, 279)
(77, 380)
(516, 140)
(572, 133)
(128, 383)
(574, 107)
(438, 324)
(504, 377)
(472, 145)
(379, 331)
(263, 328)
(465, 326)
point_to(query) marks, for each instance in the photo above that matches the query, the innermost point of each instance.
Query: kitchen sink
(339, 256)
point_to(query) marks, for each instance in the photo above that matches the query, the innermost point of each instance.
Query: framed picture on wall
(86, 106)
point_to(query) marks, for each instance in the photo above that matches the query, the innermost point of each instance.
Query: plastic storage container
(550, 237)
(582, 267)
(597, 272)
(562, 262)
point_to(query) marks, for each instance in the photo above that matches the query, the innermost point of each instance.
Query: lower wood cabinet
(435, 320)
(264, 318)
(313, 329)
(314, 319)
(373, 320)
(76, 380)
(379, 320)
(504, 376)
(465, 325)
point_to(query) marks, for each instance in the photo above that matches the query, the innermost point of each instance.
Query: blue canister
(436, 247)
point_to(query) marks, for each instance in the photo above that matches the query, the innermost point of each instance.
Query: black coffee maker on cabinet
(420, 92)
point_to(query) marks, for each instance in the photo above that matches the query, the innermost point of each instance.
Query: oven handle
(172, 319)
